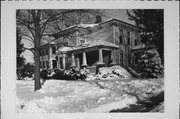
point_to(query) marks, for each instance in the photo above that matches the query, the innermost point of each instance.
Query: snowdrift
(114, 72)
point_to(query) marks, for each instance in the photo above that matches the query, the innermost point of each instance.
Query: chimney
(98, 19)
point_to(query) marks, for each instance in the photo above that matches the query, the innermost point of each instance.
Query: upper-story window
(43, 52)
(128, 38)
(53, 50)
(120, 36)
(120, 39)
(136, 42)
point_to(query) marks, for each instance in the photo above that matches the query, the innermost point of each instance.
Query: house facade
(113, 42)
(48, 56)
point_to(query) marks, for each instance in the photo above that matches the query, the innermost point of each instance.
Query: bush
(75, 73)
(149, 64)
(72, 73)
(58, 74)
(44, 74)
(26, 71)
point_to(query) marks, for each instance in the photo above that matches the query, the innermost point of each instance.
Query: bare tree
(36, 24)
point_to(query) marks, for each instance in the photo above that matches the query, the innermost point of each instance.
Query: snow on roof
(65, 49)
(81, 25)
(88, 45)
(138, 47)
(86, 25)
(98, 43)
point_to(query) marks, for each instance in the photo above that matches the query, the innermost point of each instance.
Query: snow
(114, 105)
(81, 25)
(114, 72)
(81, 96)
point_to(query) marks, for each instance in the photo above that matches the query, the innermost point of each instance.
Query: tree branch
(30, 49)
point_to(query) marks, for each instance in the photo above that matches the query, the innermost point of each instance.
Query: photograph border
(8, 56)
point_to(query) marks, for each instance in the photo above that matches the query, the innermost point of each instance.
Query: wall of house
(104, 33)
(112, 34)
(48, 57)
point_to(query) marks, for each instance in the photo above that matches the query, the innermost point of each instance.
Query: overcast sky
(111, 13)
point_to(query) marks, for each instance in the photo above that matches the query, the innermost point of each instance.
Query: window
(54, 64)
(121, 59)
(47, 64)
(136, 42)
(53, 50)
(120, 36)
(129, 59)
(65, 43)
(82, 41)
(43, 65)
(46, 51)
(137, 56)
(128, 37)
(41, 53)
(120, 40)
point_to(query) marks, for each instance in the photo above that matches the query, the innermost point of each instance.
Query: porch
(91, 57)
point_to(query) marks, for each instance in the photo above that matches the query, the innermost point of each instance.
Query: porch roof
(86, 45)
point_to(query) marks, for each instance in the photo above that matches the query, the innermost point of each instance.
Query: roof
(131, 25)
(88, 45)
(84, 26)
(65, 49)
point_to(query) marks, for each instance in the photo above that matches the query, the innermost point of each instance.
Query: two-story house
(108, 43)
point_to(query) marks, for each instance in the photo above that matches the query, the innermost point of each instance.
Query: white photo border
(8, 56)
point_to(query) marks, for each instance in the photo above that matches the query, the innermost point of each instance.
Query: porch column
(63, 61)
(100, 57)
(73, 60)
(78, 62)
(84, 59)
(58, 62)
(133, 59)
(113, 58)
(50, 51)
(50, 64)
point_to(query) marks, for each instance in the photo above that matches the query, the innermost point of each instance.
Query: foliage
(72, 73)
(20, 49)
(58, 74)
(20, 59)
(153, 21)
(26, 71)
(75, 73)
(149, 64)
(44, 74)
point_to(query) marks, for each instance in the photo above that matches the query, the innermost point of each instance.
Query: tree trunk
(37, 83)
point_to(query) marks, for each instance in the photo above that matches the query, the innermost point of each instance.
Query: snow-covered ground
(81, 96)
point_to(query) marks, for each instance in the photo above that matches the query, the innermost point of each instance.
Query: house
(108, 43)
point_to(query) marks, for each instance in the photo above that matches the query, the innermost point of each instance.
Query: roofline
(121, 22)
(73, 27)
(66, 30)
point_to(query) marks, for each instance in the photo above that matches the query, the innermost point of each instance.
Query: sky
(111, 13)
